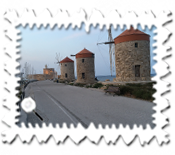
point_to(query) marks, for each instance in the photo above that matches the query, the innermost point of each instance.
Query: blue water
(103, 78)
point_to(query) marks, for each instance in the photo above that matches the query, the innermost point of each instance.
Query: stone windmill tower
(85, 67)
(132, 56)
(67, 69)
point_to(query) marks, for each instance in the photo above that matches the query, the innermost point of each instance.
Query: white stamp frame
(77, 134)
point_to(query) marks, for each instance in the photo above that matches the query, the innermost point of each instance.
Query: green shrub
(71, 83)
(61, 81)
(138, 93)
(79, 84)
(125, 90)
(143, 94)
(107, 86)
(134, 84)
(149, 85)
(97, 85)
(89, 86)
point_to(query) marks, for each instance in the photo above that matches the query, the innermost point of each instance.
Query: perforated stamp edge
(11, 54)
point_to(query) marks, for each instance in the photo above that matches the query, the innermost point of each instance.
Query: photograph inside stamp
(104, 76)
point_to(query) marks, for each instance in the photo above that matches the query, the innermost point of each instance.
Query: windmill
(111, 48)
(58, 60)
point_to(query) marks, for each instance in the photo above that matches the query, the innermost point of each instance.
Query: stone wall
(67, 67)
(86, 67)
(38, 77)
(48, 77)
(127, 56)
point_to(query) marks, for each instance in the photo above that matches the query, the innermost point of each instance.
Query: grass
(143, 91)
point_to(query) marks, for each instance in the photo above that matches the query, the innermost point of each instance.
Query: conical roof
(67, 59)
(131, 35)
(131, 31)
(85, 51)
(85, 54)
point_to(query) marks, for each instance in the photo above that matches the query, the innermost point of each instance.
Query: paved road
(58, 103)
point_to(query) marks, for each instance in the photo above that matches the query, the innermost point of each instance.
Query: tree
(58, 59)
(26, 70)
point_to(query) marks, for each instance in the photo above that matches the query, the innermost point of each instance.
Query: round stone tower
(85, 67)
(67, 69)
(132, 56)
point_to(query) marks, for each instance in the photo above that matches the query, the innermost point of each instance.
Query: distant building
(85, 67)
(55, 75)
(132, 56)
(48, 73)
(67, 69)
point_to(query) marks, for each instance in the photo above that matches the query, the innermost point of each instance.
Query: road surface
(59, 103)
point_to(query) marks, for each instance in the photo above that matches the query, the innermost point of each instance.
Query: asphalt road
(58, 103)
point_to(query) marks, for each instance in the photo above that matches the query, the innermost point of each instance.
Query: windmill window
(83, 75)
(82, 60)
(137, 70)
(65, 75)
(136, 45)
(65, 64)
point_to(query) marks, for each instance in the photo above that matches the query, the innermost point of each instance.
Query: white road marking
(59, 107)
(62, 109)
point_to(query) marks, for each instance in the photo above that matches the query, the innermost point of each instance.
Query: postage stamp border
(12, 18)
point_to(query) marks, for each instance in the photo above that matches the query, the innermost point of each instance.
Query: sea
(103, 78)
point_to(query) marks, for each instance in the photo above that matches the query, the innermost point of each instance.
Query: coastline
(102, 78)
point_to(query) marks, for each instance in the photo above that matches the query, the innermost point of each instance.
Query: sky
(39, 46)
